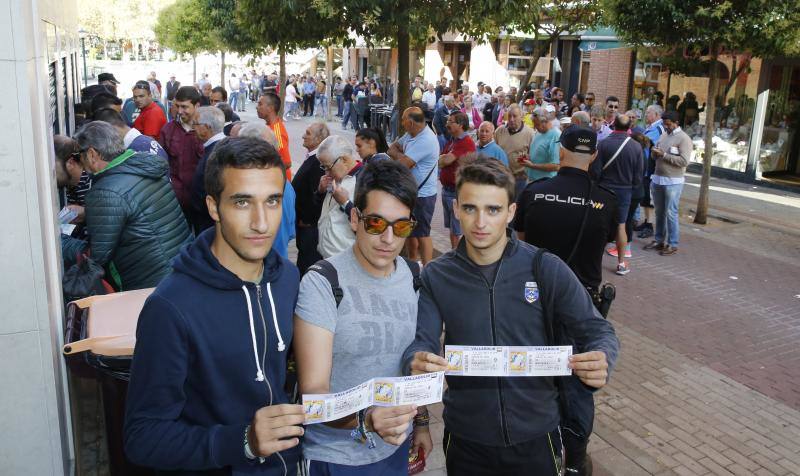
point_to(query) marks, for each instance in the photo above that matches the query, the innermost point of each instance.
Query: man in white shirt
(337, 158)
(429, 98)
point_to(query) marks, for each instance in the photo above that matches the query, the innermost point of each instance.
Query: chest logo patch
(531, 291)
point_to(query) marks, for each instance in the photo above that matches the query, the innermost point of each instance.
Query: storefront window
(779, 152)
(733, 120)
(647, 89)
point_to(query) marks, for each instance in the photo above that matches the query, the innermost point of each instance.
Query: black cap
(580, 139)
(107, 77)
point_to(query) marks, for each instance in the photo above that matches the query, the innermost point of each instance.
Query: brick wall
(610, 75)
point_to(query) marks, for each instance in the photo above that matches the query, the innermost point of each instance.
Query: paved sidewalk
(709, 376)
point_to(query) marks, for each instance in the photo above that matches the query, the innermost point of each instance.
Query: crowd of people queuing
(183, 196)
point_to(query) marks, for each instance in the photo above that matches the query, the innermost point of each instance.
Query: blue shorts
(394, 465)
(423, 214)
(624, 195)
(450, 220)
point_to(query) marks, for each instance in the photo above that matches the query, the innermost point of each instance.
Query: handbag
(84, 278)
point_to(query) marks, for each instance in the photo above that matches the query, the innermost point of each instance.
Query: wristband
(248, 453)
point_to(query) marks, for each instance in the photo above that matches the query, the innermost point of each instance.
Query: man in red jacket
(151, 118)
(182, 145)
(457, 149)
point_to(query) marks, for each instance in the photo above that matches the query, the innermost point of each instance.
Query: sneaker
(646, 232)
(623, 269)
(612, 251)
(654, 245)
(641, 226)
(668, 250)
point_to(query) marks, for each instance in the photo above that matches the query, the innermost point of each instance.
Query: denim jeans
(339, 105)
(322, 105)
(665, 201)
(233, 99)
(351, 115)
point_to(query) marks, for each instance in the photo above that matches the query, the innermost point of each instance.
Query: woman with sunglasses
(341, 343)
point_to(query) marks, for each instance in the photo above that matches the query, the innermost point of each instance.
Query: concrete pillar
(35, 436)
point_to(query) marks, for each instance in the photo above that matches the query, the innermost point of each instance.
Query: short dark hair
(104, 100)
(64, 148)
(374, 134)
(144, 85)
(486, 171)
(188, 93)
(273, 101)
(110, 116)
(220, 89)
(672, 116)
(226, 109)
(581, 97)
(622, 122)
(461, 119)
(239, 153)
(611, 99)
(388, 176)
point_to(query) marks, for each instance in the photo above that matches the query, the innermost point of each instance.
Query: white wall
(35, 439)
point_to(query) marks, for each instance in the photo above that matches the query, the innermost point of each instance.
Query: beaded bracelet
(360, 432)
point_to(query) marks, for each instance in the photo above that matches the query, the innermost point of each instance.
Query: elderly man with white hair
(208, 127)
(338, 159)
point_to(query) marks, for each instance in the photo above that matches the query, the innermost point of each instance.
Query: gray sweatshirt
(674, 165)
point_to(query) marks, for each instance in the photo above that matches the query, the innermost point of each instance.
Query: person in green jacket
(133, 219)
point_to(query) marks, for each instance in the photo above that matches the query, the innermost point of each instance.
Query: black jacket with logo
(496, 411)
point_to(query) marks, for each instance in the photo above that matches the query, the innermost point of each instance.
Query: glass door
(778, 154)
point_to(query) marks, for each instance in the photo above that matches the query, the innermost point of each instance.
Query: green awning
(591, 45)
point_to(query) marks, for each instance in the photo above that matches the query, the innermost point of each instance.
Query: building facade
(39, 64)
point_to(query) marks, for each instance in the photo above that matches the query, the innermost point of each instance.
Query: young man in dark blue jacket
(478, 292)
(206, 392)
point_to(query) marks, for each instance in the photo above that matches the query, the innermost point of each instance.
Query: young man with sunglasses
(486, 293)
(341, 344)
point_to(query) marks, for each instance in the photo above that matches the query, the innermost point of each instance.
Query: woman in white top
(291, 100)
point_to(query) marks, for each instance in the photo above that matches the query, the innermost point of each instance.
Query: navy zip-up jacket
(455, 294)
(194, 386)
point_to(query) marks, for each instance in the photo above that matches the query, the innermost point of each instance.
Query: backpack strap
(327, 271)
(546, 298)
(415, 273)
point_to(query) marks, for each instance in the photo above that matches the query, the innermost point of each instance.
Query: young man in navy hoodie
(206, 392)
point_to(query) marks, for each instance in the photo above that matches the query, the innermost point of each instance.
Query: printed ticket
(385, 392)
(504, 361)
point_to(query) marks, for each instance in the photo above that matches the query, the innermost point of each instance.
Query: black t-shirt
(347, 93)
(550, 213)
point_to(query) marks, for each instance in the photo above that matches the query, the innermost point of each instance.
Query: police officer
(573, 218)
(567, 214)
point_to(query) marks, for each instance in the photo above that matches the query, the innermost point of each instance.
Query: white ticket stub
(503, 361)
(385, 392)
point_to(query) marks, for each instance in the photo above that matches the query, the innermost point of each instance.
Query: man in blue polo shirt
(487, 147)
(418, 150)
(545, 150)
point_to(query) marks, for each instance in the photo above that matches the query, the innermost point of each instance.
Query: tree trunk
(701, 217)
(282, 78)
(329, 78)
(537, 53)
(194, 69)
(222, 70)
(402, 72)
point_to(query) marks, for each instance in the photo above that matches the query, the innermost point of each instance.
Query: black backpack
(327, 271)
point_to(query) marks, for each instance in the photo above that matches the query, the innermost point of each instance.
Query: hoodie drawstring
(259, 372)
(281, 345)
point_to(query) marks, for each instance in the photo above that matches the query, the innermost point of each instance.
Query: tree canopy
(184, 28)
(685, 32)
